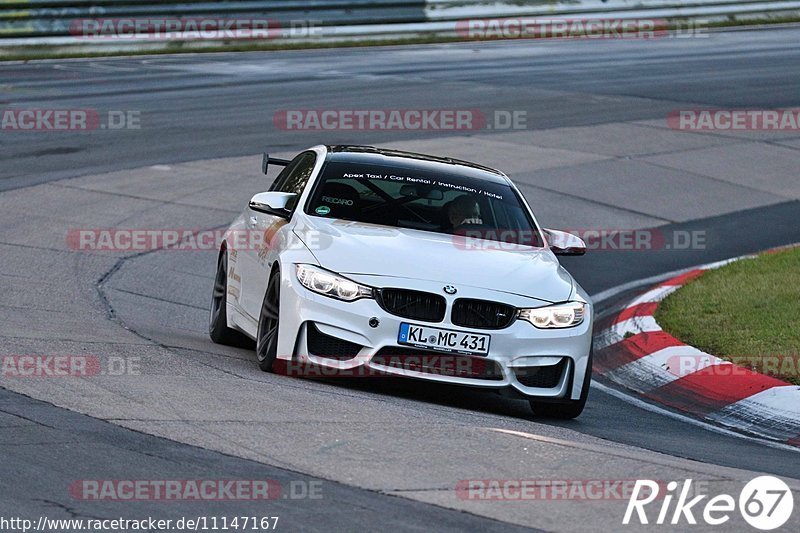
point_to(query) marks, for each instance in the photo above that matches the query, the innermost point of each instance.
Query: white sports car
(366, 261)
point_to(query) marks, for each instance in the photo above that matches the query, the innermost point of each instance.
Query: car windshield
(423, 200)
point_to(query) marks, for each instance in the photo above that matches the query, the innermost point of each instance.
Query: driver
(464, 211)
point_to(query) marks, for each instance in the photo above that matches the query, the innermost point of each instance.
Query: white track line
(619, 289)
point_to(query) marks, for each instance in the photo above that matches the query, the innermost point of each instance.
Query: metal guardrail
(55, 20)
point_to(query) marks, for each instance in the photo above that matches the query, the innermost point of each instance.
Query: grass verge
(747, 312)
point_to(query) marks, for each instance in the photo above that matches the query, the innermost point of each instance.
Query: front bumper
(518, 351)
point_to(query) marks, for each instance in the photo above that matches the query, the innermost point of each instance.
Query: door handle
(253, 220)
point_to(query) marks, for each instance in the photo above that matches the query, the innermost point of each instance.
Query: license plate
(445, 340)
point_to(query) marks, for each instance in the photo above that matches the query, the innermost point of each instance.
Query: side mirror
(273, 203)
(563, 243)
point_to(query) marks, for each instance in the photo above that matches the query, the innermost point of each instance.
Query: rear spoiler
(266, 160)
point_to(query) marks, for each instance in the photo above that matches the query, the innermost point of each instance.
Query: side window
(297, 175)
(288, 169)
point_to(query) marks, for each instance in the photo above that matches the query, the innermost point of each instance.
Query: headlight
(329, 284)
(555, 316)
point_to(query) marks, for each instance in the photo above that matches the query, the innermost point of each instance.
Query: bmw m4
(397, 263)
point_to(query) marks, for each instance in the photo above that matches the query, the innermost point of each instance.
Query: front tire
(218, 328)
(267, 337)
(571, 408)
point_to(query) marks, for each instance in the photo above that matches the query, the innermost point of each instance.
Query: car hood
(367, 249)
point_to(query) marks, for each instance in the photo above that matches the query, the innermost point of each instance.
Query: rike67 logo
(766, 503)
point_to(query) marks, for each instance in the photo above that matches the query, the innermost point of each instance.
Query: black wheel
(267, 338)
(218, 328)
(569, 409)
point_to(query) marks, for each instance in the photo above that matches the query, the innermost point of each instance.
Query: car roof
(412, 160)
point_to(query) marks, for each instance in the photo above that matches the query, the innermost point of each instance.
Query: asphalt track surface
(200, 107)
(208, 106)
